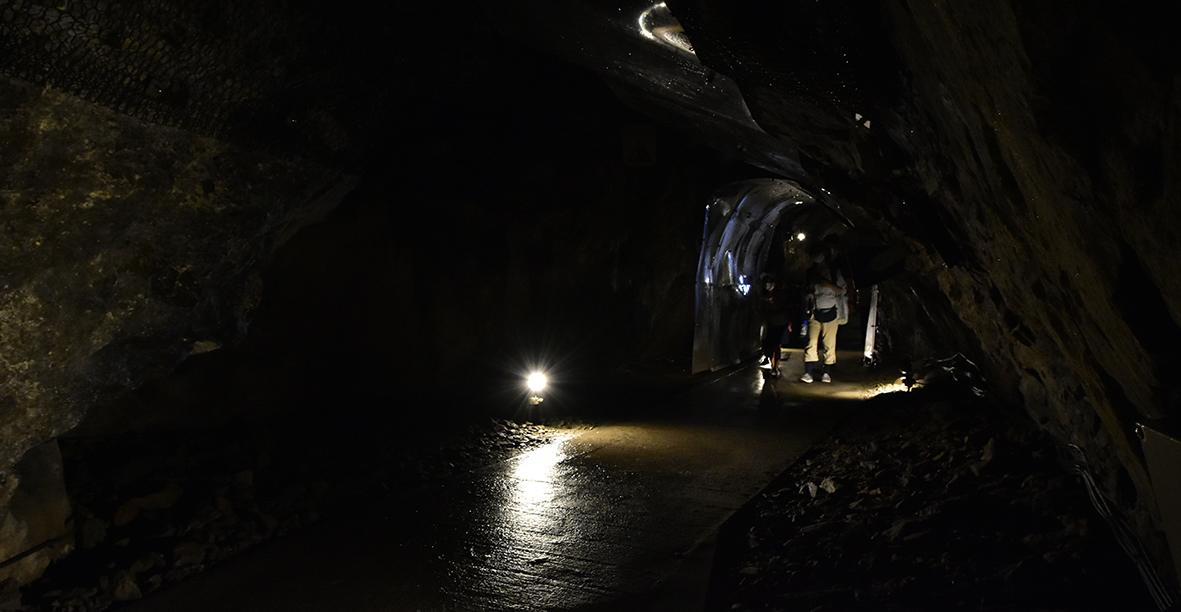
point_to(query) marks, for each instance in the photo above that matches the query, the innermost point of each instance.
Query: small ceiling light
(801, 236)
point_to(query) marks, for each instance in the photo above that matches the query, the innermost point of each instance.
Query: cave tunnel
(754, 228)
(275, 273)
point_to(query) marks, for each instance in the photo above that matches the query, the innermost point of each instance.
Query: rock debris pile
(927, 505)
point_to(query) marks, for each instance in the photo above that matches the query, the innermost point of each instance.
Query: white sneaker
(806, 378)
(826, 378)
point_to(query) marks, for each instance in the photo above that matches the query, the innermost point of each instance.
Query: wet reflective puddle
(600, 515)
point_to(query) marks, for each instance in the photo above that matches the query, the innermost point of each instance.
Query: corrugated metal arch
(739, 226)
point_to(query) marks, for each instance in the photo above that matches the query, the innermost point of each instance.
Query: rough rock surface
(924, 502)
(126, 247)
(1028, 154)
(37, 519)
(153, 237)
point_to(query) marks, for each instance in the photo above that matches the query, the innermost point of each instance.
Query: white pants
(822, 334)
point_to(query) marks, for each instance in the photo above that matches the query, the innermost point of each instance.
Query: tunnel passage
(754, 227)
(738, 229)
(943, 126)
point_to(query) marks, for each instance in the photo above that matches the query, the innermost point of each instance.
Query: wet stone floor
(747, 493)
(153, 510)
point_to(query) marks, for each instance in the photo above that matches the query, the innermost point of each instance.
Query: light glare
(669, 32)
(536, 382)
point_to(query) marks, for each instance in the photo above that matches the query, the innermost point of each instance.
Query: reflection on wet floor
(522, 533)
(851, 381)
(596, 517)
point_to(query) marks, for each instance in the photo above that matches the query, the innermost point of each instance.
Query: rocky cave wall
(509, 212)
(127, 247)
(1029, 154)
(141, 197)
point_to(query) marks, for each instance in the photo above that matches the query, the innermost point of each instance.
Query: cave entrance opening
(756, 227)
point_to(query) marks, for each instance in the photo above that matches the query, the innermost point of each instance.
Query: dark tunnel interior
(271, 265)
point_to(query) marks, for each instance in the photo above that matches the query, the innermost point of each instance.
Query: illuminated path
(619, 517)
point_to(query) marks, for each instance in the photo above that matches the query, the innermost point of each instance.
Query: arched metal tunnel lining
(740, 226)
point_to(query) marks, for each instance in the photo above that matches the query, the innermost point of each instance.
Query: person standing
(828, 289)
(775, 321)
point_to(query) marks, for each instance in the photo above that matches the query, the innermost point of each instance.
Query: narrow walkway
(601, 519)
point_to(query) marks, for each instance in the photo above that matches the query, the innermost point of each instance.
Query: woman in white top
(828, 294)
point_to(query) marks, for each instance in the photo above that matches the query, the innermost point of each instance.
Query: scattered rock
(93, 532)
(10, 595)
(986, 457)
(905, 530)
(125, 588)
(156, 501)
(188, 553)
(150, 561)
